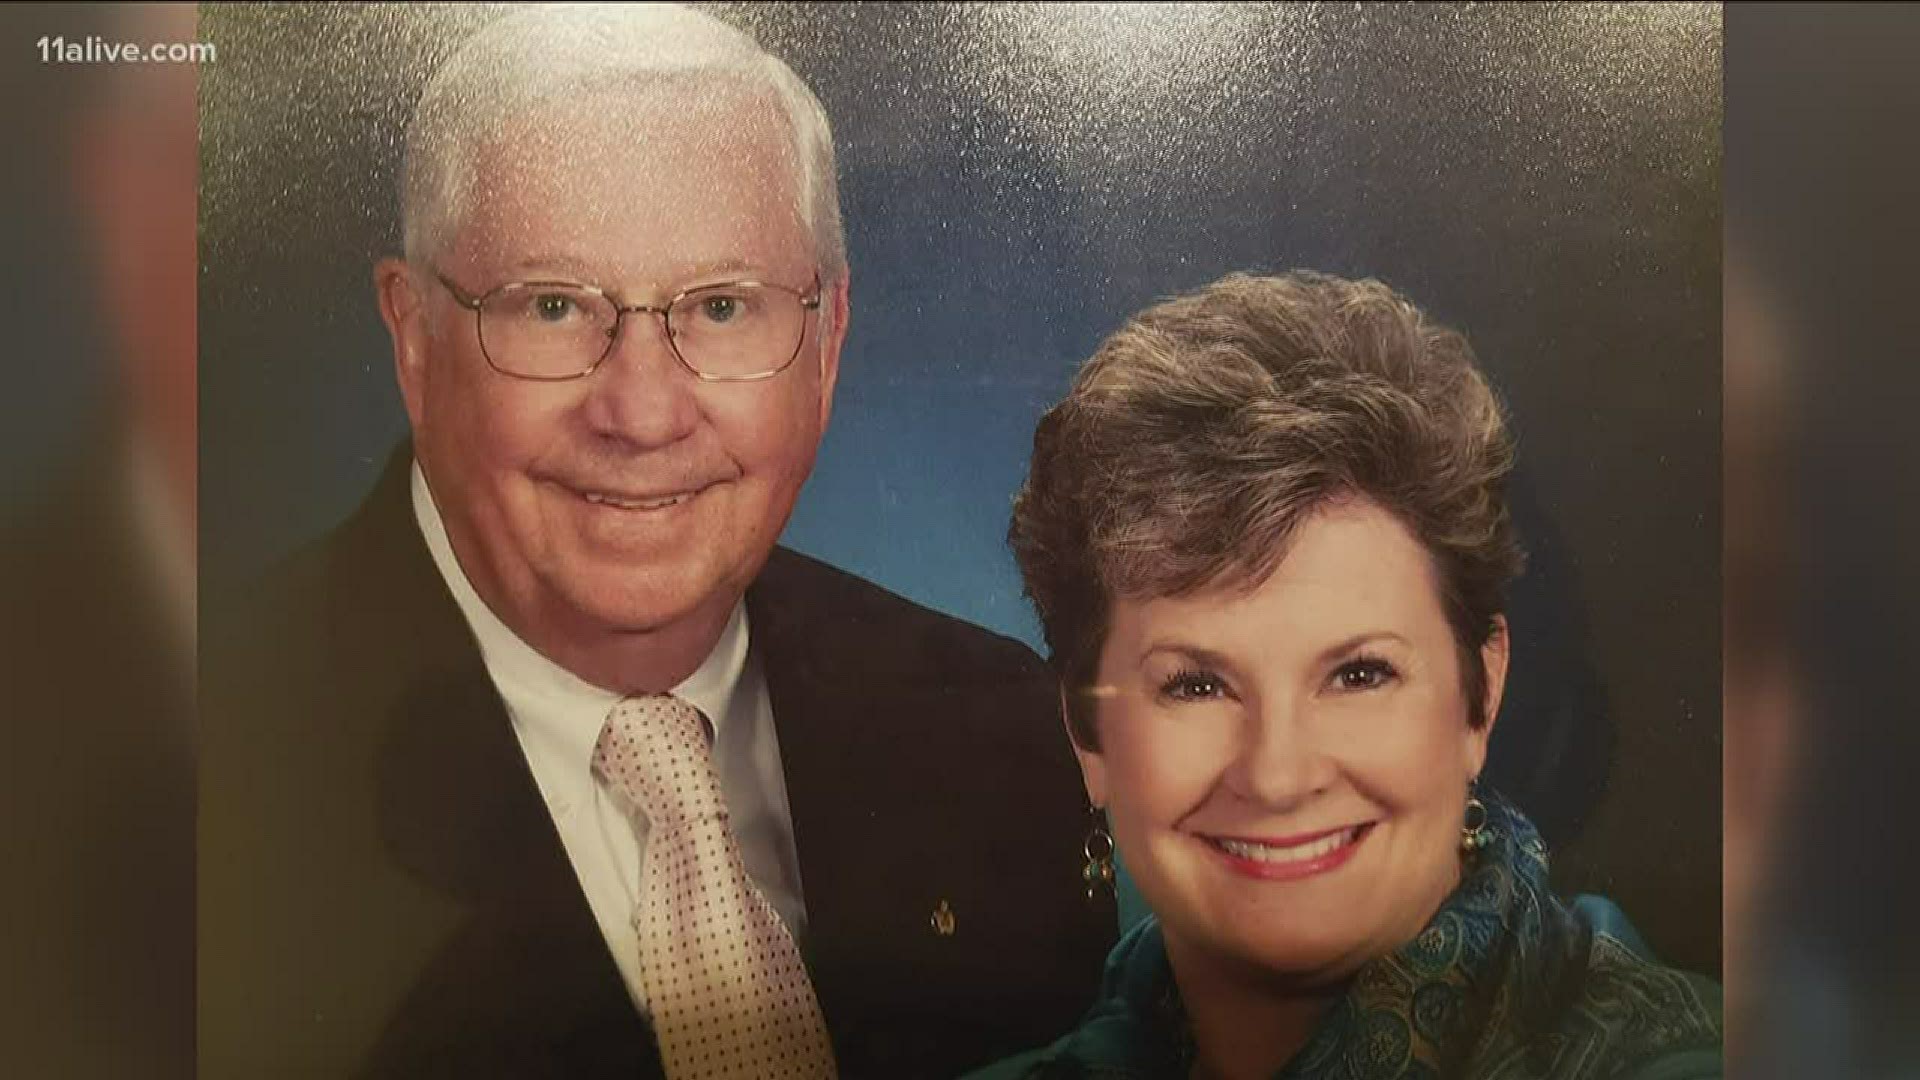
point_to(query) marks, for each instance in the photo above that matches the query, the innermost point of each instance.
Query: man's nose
(640, 392)
(1280, 762)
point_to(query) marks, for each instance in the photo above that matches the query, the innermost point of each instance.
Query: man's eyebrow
(719, 267)
(553, 266)
(573, 268)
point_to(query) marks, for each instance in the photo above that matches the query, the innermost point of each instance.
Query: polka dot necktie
(722, 976)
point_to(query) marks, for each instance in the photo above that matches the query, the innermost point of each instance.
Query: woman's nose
(1280, 762)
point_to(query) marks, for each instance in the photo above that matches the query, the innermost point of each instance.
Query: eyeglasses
(740, 331)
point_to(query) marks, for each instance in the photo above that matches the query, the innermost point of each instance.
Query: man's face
(637, 498)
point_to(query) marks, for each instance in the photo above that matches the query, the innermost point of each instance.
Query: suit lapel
(458, 807)
(922, 777)
(460, 812)
(867, 824)
(825, 819)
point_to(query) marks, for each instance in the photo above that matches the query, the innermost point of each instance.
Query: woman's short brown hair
(1204, 431)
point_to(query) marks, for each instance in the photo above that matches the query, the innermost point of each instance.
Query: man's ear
(1494, 655)
(834, 305)
(1093, 767)
(403, 309)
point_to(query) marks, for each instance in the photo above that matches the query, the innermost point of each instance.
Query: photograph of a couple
(960, 540)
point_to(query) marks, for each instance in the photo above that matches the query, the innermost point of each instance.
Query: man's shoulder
(375, 559)
(798, 593)
(360, 608)
(1125, 1033)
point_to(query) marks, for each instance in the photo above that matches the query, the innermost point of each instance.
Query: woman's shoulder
(1651, 1021)
(1620, 964)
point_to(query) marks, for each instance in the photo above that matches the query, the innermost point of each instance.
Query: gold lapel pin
(942, 920)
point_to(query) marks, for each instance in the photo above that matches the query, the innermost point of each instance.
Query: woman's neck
(1244, 1027)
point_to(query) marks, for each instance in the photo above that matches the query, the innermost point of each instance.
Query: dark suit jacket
(383, 893)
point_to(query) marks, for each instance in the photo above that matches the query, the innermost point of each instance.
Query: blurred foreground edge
(97, 569)
(1821, 542)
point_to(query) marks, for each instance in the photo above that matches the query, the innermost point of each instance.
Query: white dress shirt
(557, 717)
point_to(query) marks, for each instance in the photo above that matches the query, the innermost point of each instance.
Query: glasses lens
(737, 330)
(546, 331)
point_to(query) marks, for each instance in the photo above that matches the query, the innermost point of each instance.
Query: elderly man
(549, 762)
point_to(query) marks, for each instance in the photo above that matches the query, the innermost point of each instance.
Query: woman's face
(1286, 768)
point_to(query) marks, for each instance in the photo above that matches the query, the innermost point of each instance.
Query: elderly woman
(1267, 537)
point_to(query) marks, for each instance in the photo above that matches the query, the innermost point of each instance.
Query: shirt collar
(555, 704)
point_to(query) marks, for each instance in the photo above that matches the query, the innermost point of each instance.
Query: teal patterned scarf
(1508, 983)
(1505, 983)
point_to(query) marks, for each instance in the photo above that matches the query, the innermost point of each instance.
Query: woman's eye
(1193, 686)
(1363, 674)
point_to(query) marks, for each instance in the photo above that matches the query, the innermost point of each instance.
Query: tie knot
(653, 750)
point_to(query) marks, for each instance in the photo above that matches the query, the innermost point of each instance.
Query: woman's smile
(1289, 859)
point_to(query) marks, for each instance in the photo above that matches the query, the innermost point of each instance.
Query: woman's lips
(1290, 858)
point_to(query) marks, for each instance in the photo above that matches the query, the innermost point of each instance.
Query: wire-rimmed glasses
(737, 331)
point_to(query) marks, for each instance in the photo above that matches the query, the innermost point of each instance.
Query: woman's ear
(1494, 654)
(1493, 657)
(1093, 768)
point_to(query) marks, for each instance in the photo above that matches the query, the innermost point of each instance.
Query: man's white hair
(530, 58)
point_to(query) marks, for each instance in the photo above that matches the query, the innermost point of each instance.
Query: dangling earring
(1098, 871)
(1474, 833)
